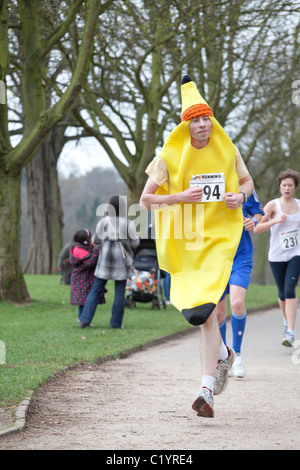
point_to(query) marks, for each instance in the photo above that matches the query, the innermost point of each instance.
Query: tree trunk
(38, 122)
(12, 284)
(45, 215)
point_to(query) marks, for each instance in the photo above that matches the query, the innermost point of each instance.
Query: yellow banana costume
(196, 243)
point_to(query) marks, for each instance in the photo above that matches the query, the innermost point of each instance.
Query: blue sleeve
(253, 206)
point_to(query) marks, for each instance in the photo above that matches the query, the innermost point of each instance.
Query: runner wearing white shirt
(282, 217)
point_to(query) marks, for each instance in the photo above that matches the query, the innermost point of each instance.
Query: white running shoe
(238, 369)
(222, 371)
(204, 404)
(288, 340)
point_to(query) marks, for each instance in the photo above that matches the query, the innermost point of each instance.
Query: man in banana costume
(197, 185)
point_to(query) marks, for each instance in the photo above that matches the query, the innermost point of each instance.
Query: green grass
(42, 338)
(259, 296)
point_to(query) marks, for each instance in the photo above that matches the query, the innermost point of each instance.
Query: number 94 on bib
(212, 184)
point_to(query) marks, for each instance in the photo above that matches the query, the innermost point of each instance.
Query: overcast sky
(80, 158)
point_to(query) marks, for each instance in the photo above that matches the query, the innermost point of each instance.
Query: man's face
(200, 129)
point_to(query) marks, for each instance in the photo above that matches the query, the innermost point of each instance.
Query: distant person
(63, 264)
(83, 259)
(118, 237)
(238, 284)
(166, 280)
(282, 217)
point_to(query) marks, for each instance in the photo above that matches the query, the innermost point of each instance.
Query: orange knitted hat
(193, 105)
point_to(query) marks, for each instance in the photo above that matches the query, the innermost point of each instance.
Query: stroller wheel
(156, 303)
(130, 302)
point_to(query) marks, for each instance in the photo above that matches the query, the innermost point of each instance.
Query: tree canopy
(242, 55)
(24, 45)
(116, 66)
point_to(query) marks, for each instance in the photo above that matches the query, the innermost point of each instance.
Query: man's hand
(249, 224)
(233, 200)
(193, 194)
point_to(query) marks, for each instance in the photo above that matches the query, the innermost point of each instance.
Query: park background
(110, 72)
(92, 88)
(242, 55)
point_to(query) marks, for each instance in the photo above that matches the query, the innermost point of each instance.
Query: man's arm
(249, 223)
(149, 200)
(234, 200)
(246, 186)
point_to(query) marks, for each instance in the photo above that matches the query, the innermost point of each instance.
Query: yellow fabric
(158, 171)
(190, 96)
(198, 249)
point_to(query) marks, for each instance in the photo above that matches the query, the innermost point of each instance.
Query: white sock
(223, 352)
(291, 332)
(208, 382)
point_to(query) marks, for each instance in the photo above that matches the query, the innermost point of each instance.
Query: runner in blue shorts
(238, 284)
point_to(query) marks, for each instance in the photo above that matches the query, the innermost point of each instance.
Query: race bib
(289, 239)
(213, 186)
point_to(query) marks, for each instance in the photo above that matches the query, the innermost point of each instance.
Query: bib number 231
(213, 186)
(289, 240)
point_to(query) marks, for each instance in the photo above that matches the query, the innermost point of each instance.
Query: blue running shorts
(239, 277)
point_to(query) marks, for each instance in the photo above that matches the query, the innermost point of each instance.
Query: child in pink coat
(83, 258)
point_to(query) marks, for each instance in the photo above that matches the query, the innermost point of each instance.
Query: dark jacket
(83, 258)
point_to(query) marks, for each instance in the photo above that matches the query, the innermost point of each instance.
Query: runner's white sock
(223, 352)
(208, 382)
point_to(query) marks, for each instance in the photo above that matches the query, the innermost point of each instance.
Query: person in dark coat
(83, 258)
(119, 238)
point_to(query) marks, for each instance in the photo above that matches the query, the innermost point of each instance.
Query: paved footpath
(144, 401)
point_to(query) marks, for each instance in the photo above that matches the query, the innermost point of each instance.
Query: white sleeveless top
(285, 236)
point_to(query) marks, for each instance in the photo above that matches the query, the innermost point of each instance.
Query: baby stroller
(146, 283)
